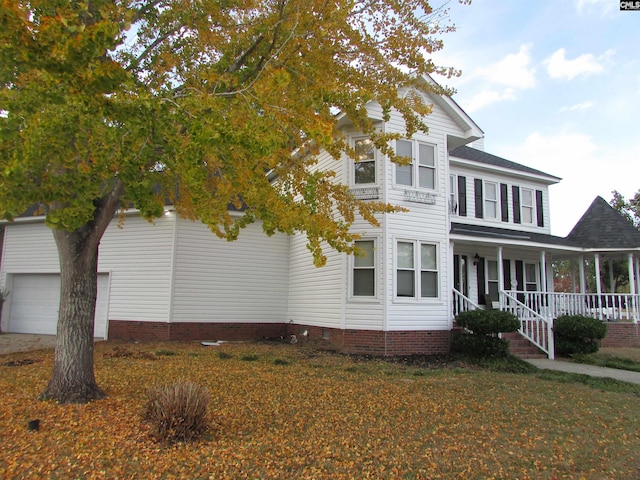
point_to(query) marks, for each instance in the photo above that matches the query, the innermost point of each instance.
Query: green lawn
(287, 412)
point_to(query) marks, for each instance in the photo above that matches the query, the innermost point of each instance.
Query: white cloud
(487, 97)
(586, 171)
(601, 6)
(578, 107)
(513, 70)
(559, 67)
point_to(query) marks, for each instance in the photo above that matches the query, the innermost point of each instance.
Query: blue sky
(555, 85)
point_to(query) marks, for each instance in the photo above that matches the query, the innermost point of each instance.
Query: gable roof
(475, 155)
(602, 226)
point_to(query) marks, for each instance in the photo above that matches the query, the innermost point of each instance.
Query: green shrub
(481, 337)
(488, 322)
(577, 334)
(479, 346)
(178, 411)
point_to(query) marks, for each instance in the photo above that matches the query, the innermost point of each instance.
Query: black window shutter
(462, 196)
(504, 202)
(539, 208)
(516, 204)
(478, 195)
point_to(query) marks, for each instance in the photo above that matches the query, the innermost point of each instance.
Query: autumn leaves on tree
(127, 103)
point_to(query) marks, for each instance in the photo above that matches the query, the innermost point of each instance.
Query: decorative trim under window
(419, 197)
(365, 193)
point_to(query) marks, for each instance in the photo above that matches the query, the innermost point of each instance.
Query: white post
(631, 309)
(598, 286)
(583, 279)
(500, 276)
(543, 271)
(573, 276)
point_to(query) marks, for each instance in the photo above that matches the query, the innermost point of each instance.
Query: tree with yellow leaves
(111, 104)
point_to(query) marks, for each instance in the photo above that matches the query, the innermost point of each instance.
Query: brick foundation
(159, 331)
(371, 342)
(622, 335)
(364, 342)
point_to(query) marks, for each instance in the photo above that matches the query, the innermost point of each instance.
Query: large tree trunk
(73, 380)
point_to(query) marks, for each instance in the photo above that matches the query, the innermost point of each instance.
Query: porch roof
(513, 237)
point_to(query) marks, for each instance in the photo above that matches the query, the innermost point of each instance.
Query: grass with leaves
(284, 412)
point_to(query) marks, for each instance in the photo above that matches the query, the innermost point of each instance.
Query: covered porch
(540, 277)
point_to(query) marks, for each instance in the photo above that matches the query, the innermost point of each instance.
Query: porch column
(596, 257)
(573, 276)
(583, 280)
(500, 271)
(632, 276)
(632, 290)
(543, 271)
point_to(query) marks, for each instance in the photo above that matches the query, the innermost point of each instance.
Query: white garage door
(35, 299)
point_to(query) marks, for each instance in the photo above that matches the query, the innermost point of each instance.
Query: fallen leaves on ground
(287, 413)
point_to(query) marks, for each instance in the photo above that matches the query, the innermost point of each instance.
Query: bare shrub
(178, 411)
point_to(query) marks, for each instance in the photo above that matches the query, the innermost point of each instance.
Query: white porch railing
(537, 328)
(461, 303)
(610, 307)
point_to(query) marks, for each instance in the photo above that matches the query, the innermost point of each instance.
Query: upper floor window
(526, 205)
(365, 166)
(364, 269)
(416, 270)
(490, 200)
(421, 172)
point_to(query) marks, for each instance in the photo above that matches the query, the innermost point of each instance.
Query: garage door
(35, 299)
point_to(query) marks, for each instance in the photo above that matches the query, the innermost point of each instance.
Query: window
(490, 200)
(428, 271)
(421, 172)
(365, 166)
(526, 205)
(530, 277)
(492, 280)
(406, 270)
(453, 195)
(408, 283)
(364, 269)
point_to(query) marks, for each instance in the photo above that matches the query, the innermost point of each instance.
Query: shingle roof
(602, 226)
(475, 155)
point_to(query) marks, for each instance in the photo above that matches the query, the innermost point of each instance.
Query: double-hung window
(490, 200)
(421, 172)
(416, 270)
(527, 205)
(365, 165)
(364, 269)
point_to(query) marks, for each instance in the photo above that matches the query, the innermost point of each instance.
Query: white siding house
(475, 235)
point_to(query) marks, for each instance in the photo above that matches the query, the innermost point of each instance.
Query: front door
(460, 278)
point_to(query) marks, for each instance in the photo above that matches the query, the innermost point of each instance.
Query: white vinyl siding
(244, 281)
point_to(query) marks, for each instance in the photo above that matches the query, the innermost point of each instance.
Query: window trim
(353, 163)
(416, 166)
(352, 268)
(417, 271)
